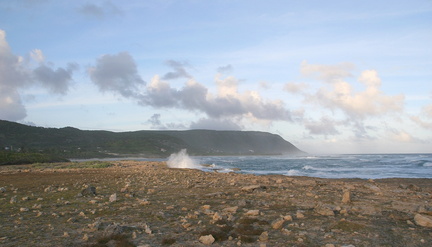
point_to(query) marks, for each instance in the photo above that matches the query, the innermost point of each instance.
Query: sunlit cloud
(16, 74)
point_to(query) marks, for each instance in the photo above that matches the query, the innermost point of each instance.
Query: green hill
(74, 143)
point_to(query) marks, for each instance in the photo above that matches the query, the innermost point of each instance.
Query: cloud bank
(118, 74)
(18, 73)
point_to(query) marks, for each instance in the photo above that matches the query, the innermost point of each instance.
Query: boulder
(423, 220)
(207, 239)
(89, 191)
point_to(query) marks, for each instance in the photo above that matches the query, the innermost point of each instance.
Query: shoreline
(149, 204)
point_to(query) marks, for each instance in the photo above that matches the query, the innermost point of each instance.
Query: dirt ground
(149, 204)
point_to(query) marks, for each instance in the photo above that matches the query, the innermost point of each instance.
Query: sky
(328, 76)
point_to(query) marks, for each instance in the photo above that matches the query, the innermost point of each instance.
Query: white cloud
(16, 75)
(295, 88)
(342, 96)
(37, 55)
(401, 136)
(325, 126)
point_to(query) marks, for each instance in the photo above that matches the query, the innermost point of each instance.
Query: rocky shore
(149, 204)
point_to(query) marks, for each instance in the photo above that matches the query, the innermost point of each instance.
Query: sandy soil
(149, 204)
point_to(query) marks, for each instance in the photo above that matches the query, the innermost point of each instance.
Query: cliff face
(72, 142)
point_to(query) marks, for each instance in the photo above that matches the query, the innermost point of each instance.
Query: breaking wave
(182, 160)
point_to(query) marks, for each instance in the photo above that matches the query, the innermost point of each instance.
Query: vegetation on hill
(74, 143)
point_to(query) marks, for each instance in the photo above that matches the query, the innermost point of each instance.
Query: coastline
(149, 204)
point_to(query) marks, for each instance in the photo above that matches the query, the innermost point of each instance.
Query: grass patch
(348, 226)
(18, 158)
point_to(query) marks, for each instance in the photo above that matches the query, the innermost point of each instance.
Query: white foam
(181, 160)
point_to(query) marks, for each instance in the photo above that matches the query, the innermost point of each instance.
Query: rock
(299, 215)
(49, 189)
(254, 212)
(113, 197)
(252, 188)
(277, 224)
(13, 199)
(89, 191)
(414, 187)
(264, 237)
(2, 189)
(423, 220)
(207, 239)
(116, 229)
(324, 211)
(24, 209)
(346, 197)
(231, 210)
(373, 188)
(217, 216)
(288, 218)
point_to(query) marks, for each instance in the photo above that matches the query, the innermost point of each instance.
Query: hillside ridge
(71, 142)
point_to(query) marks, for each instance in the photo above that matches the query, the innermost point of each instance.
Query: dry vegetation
(148, 204)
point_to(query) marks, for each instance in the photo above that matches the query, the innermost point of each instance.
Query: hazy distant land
(70, 142)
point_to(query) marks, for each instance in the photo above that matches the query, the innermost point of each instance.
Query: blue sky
(328, 76)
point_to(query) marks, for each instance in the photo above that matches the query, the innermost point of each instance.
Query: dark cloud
(100, 11)
(55, 80)
(154, 121)
(179, 70)
(228, 103)
(17, 74)
(117, 73)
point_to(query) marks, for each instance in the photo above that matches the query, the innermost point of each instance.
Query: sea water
(329, 166)
(363, 166)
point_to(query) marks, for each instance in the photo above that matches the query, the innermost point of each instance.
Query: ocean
(365, 166)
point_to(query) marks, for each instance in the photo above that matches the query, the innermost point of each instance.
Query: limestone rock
(423, 220)
(263, 237)
(252, 188)
(217, 216)
(13, 199)
(231, 210)
(324, 211)
(207, 239)
(113, 197)
(299, 215)
(346, 197)
(254, 212)
(277, 224)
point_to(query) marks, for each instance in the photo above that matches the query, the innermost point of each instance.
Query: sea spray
(181, 160)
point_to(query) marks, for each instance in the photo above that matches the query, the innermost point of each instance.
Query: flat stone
(423, 220)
